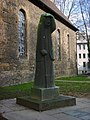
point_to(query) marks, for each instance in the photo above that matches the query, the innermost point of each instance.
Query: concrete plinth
(41, 105)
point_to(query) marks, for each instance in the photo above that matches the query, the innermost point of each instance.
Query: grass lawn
(15, 90)
(75, 89)
(75, 78)
(67, 88)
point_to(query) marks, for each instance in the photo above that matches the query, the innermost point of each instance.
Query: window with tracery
(21, 33)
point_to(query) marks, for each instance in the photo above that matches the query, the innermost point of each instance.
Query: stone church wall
(15, 69)
(66, 66)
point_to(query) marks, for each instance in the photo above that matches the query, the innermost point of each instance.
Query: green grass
(68, 88)
(15, 91)
(75, 78)
(74, 89)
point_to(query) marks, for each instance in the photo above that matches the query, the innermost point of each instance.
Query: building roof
(51, 8)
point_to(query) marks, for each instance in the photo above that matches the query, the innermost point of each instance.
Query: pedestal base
(44, 93)
(60, 101)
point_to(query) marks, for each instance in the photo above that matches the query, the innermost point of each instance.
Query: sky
(76, 17)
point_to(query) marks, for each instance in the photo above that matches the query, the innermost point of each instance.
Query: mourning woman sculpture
(44, 75)
(44, 94)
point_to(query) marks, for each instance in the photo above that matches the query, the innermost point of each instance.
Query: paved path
(12, 111)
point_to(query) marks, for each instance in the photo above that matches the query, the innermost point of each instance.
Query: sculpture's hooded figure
(44, 75)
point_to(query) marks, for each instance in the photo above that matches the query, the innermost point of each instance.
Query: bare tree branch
(82, 13)
(72, 6)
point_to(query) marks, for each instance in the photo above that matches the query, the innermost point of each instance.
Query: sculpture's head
(48, 21)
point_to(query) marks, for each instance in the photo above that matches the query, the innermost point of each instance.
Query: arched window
(68, 45)
(22, 33)
(58, 45)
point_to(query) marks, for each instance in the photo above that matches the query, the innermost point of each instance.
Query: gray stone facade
(15, 69)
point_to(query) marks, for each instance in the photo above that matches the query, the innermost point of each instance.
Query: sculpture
(44, 94)
(44, 75)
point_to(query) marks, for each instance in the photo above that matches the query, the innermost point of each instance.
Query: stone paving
(12, 111)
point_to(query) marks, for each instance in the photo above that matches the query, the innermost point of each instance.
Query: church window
(68, 45)
(21, 33)
(58, 45)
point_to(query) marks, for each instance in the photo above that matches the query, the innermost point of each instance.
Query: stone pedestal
(46, 98)
(57, 102)
(44, 93)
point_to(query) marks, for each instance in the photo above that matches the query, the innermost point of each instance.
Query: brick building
(18, 36)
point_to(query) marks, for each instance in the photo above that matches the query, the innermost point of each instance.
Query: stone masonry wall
(66, 66)
(13, 69)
